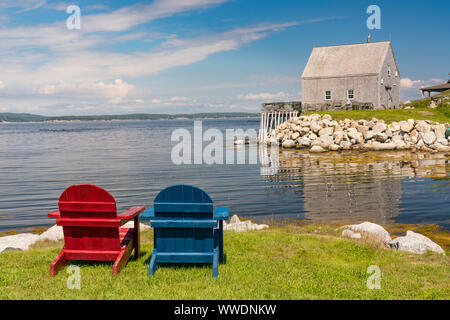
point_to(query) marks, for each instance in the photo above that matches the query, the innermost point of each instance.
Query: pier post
(274, 114)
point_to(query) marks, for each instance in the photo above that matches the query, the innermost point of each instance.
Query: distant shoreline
(6, 118)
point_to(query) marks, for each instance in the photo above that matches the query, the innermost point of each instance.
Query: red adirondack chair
(92, 228)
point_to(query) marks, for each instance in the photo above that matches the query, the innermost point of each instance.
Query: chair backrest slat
(183, 220)
(164, 207)
(183, 200)
(89, 218)
(82, 206)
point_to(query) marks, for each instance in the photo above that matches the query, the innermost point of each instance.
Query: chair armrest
(55, 214)
(221, 213)
(148, 214)
(131, 213)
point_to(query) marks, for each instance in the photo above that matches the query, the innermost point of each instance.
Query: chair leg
(216, 264)
(152, 266)
(137, 237)
(123, 257)
(58, 263)
(221, 241)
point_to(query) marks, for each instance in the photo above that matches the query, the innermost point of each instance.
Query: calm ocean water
(132, 160)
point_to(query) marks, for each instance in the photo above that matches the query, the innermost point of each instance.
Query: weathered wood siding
(365, 88)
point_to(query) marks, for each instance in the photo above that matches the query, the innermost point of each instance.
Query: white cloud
(408, 83)
(410, 88)
(96, 7)
(26, 5)
(114, 92)
(2, 85)
(75, 59)
(263, 96)
(255, 80)
(131, 16)
(179, 99)
(47, 65)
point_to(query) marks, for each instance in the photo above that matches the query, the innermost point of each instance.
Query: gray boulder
(19, 241)
(371, 228)
(369, 135)
(327, 131)
(334, 147)
(237, 225)
(377, 146)
(439, 130)
(400, 144)
(381, 137)
(353, 134)
(423, 127)
(407, 126)
(55, 233)
(130, 224)
(304, 141)
(317, 149)
(442, 141)
(11, 249)
(345, 145)
(288, 144)
(379, 127)
(338, 136)
(235, 219)
(326, 141)
(350, 234)
(429, 138)
(315, 127)
(415, 242)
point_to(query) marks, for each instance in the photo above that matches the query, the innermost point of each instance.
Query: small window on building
(382, 81)
(396, 73)
(389, 71)
(328, 95)
(350, 94)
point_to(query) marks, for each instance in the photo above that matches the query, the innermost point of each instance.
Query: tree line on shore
(25, 117)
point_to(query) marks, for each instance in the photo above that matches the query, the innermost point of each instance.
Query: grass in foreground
(289, 262)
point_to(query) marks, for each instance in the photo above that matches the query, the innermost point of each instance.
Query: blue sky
(174, 56)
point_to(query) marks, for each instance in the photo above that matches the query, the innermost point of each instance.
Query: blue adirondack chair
(185, 228)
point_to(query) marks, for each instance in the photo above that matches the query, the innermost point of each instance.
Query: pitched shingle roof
(346, 60)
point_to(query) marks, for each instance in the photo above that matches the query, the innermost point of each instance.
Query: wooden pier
(274, 114)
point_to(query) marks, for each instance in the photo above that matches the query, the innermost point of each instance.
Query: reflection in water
(132, 160)
(355, 186)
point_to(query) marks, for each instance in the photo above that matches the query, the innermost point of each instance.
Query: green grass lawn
(389, 116)
(420, 112)
(287, 262)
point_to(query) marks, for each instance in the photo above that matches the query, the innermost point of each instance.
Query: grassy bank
(392, 115)
(420, 112)
(288, 262)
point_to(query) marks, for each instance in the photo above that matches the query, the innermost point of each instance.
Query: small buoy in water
(241, 142)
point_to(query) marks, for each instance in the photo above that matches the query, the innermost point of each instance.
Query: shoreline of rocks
(23, 241)
(237, 225)
(411, 242)
(321, 133)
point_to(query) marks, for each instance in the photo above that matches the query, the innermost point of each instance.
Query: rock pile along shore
(322, 133)
(412, 241)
